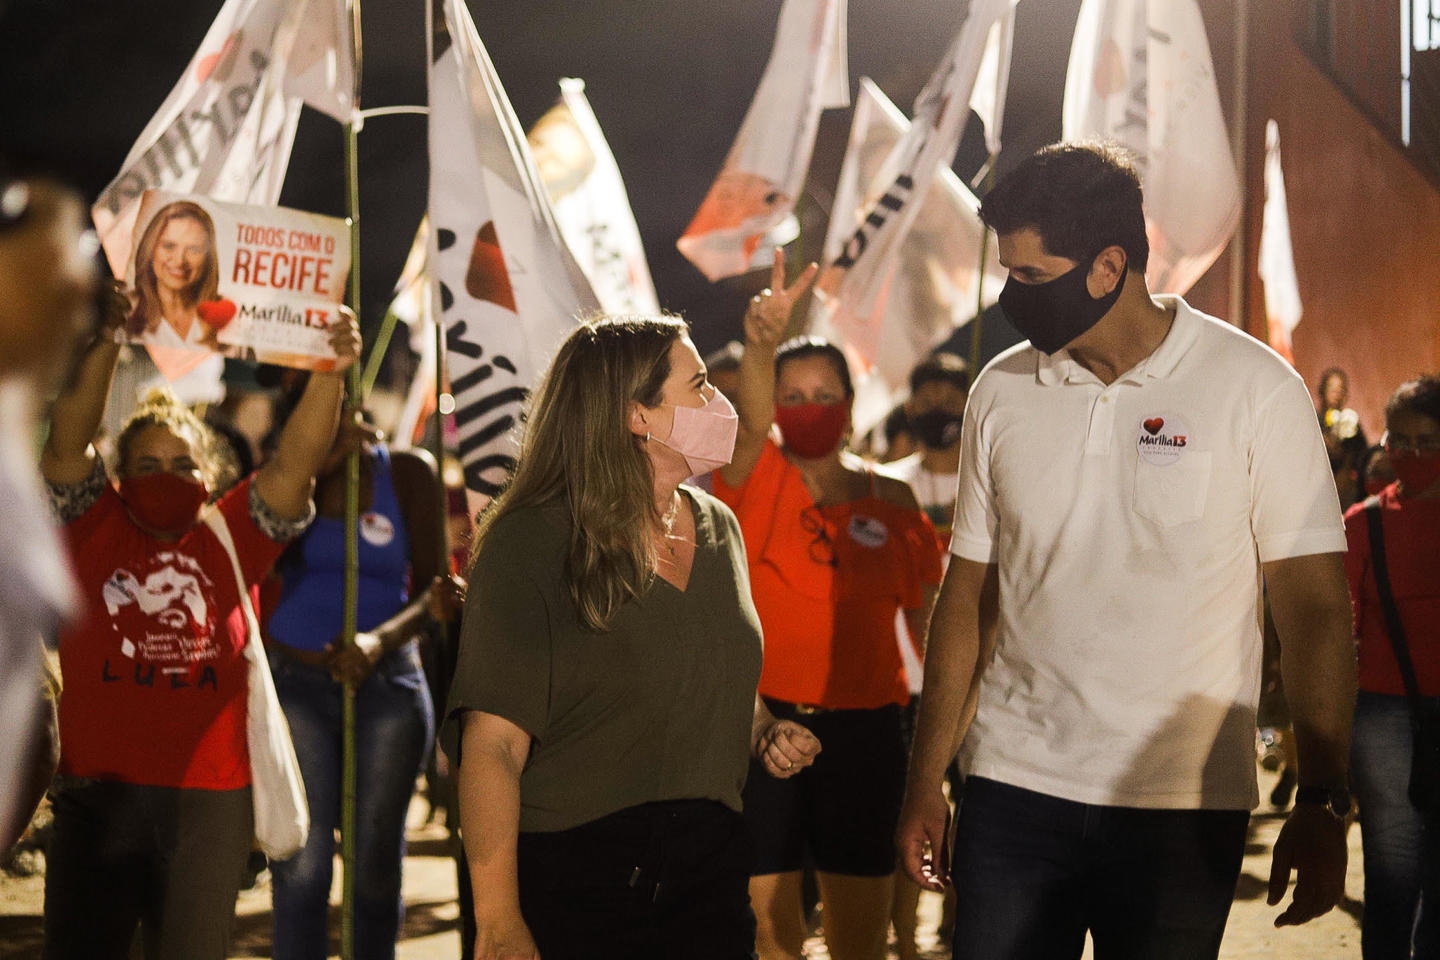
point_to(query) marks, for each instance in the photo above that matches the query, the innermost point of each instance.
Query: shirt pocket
(1173, 493)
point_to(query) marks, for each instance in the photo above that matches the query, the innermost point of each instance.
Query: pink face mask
(704, 436)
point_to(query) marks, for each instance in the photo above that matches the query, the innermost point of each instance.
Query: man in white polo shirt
(1127, 479)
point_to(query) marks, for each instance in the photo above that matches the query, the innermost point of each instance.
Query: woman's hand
(505, 938)
(447, 597)
(769, 312)
(351, 665)
(345, 339)
(785, 748)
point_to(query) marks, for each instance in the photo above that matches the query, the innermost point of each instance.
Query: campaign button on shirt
(377, 529)
(868, 532)
(1162, 440)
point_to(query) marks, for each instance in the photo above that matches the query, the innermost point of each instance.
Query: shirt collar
(1062, 368)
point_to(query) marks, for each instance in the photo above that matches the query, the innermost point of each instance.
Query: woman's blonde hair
(147, 295)
(577, 448)
(159, 407)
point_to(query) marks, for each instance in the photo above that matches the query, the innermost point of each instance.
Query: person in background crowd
(153, 808)
(1344, 437)
(1126, 477)
(835, 551)
(939, 385)
(1401, 840)
(47, 302)
(604, 706)
(400, 533)
(900, 441)
(1375, 470)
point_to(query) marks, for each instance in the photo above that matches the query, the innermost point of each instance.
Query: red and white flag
(853, 286)
(1277, 255)
(509, 289)
(1140, 74)
(929, 287)
(226, 129)
(590, 202)
(749, 208)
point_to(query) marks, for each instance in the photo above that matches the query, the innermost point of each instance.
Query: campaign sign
(254, 282)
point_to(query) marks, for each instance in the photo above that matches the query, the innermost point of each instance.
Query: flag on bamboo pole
(508, 285)
(227, 127)
(590, 202)
(929, 287)
(993, 78)
(750, 206)
(853, 285)
(413, 305)
(1277, 256)
(1140, 74)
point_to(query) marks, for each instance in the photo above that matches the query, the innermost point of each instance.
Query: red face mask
(164, 502)
(811, 430)
(1416, 472)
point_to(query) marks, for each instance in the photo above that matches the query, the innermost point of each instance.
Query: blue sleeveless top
(309, 613)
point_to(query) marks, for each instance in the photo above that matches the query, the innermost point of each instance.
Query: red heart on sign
(206, 65)
(1153, 425)
(217, 313)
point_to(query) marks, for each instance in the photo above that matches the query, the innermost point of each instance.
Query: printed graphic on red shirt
(159, 615)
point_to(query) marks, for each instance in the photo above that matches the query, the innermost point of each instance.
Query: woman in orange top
(834, 551)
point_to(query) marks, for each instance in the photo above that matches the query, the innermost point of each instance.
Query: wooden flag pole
(980, 280)
(352, 523)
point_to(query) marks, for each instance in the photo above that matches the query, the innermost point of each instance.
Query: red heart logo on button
(217, 313)
(1153, 425)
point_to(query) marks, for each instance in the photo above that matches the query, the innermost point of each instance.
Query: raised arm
(287, 481)
(1310, 603)
(960, 640)
(492, 756)
(75, 416)
(765, 321)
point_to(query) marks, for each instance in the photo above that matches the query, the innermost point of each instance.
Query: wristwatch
(1336, 800)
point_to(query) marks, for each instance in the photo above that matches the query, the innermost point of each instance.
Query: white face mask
(704, 436)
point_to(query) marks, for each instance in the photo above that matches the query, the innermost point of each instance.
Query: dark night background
(669, 81)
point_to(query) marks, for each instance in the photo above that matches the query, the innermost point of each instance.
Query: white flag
(1140, 74)
(509, 288)
(226, 128)
(929, 287)
(322, 64)
(590, 203)
(1277, 257)
(750, 206)
(988, 97)
(413, 304)
(853, 286)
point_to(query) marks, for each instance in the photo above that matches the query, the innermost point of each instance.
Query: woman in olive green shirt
(603, 712)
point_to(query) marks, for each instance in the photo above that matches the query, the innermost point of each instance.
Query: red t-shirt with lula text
(1412, 557)
(827, 583)
(154, 673)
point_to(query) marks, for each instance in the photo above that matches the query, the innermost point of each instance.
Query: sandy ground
(432, 917)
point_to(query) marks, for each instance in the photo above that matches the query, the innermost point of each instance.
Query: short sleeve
(976, 519)
(1294, 509)
(505, 648)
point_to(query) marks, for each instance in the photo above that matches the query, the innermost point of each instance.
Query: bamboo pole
(352, 522)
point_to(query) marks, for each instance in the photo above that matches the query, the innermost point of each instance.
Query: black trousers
(661, 881)
(1033, 872)
(165, 859)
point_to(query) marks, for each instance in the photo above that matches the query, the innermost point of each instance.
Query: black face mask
(1054, 313)
(936, 429)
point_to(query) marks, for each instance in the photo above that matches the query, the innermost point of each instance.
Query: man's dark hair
(797, 348)
(941, 367)
(1079, 197)
(1421, 395)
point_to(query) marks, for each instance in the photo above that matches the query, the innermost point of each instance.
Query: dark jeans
(167, 860)
(394, 725)
(1402, 850)
(661, 881)
(1033, 872)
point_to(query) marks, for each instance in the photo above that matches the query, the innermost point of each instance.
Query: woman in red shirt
(1402, 845)
(153, 808)
(835, 551)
